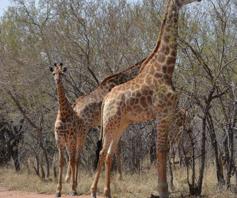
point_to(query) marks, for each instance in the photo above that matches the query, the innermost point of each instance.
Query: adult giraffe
(150, 95)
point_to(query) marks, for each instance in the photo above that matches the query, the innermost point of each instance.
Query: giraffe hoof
(93, 195)
(107, 193)
(58, 194)
(73, 193)
(154, 196)
(162, 195)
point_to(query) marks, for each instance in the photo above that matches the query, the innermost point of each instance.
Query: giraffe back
(88, 107)
(121, 77)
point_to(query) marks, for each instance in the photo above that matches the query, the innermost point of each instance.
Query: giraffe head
(181, 3)
(58, 71)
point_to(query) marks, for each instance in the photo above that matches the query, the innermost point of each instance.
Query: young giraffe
(66, 130)
(150, 95)
(88, 107)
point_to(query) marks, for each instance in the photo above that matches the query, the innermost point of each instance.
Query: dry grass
(132, 186)
(210, 188)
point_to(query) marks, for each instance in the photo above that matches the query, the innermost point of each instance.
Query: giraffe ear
(64, 69)
(51, 69)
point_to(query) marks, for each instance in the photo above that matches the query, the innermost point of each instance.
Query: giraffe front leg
(68, 175)
(72, 162)
(79, 150)
(77, 164)
(162, 180)
(80, 143)
(61, 164)
(162, 151)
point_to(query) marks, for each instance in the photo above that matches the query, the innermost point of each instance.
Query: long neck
(121, 77)
(164, 55)
(64, 105)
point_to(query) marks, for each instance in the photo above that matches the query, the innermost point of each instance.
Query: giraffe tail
(101, 122)
(100, 142)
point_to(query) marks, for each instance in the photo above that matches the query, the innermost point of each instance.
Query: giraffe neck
(64, 105)
(121, 77)
(163, 57)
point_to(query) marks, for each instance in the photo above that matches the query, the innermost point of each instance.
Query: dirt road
(4, 193)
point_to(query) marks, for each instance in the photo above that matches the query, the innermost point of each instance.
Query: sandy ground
(5, 193)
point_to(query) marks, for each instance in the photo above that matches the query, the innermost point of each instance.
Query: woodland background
(95, 39)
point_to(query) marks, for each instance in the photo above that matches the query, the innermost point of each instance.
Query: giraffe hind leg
(117, 131)
(108, 163)
(106, 144)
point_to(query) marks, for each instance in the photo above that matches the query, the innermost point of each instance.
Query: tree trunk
(15, 158)
(203, 158)
(46, 161)
(219, 168)
(230, 161)
(229, 142)
(36, 168)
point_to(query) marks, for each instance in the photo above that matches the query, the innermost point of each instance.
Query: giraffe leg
(72, 162)
(77, 164)
(61, 164)
(68, 175)
(162, 150)
(79, 150)
(162, 181)
(103, 152)
(108, 164)
(118, 161)
(80, 143)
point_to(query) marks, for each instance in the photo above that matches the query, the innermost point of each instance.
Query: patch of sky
(3, 6)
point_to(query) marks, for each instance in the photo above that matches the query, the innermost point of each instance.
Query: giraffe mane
(158, 40)
(120, 73)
